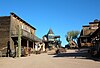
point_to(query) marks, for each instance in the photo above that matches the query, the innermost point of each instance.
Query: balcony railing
(23, 34)
(27, 34)
(14, 33)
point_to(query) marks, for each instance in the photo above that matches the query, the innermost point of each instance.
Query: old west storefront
(86, 32)
(90, 37)
(95, 49)
(20, 34)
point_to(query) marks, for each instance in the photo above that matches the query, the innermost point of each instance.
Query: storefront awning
(36, 39)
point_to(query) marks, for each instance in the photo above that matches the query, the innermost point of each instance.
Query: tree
(72, 36)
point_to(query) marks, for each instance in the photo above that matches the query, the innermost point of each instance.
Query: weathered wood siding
(14, 26)
(16, 23)
(86, 30)
(4, 31)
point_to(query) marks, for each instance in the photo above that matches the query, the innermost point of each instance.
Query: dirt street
(48, 61)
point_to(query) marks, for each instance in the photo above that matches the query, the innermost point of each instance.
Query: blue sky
(60, 15)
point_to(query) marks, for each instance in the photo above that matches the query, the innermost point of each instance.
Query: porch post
(27, 46)
(33, 47)
(43, 47)
(80, 40)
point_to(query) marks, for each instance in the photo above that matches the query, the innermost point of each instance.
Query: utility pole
(19, 41)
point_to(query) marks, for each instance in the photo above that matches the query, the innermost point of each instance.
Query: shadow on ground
(78, 55)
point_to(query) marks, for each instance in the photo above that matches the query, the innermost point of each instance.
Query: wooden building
(86, 33)
(17, 32)
(95, 40)
(51, 40)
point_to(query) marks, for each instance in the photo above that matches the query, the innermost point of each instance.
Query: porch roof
(85, 36)
(56, 36)
(33, 38)
(37, 39)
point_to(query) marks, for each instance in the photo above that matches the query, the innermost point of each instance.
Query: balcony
(27, 34)
(23, 34)
(14, 33)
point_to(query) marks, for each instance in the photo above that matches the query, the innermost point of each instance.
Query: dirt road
(48, 61)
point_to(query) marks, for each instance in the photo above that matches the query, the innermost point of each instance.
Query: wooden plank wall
(4, 30)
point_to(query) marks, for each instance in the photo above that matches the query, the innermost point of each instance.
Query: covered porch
(84, 41)
(23, 45)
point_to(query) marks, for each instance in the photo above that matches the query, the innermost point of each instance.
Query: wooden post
(27, 46)
(19, 41)
(43, 47)
(33, 46)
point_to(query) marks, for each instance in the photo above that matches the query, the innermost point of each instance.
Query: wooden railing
(23, 34)
(27, 34)
(14, 33)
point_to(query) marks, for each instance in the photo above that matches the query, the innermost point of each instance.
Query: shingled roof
(50, 31)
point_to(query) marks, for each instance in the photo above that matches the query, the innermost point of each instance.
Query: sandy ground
(49, 61)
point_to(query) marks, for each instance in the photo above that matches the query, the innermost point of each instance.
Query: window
(25, 27)
(50, 38)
